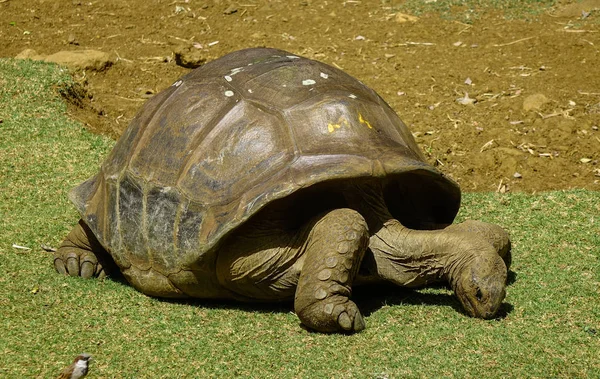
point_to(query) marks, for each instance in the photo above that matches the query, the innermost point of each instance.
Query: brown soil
(420, 68)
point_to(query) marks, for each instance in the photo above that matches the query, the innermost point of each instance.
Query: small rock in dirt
(230, 10)
(535, 102)
(72, 40)
(146, 93)
(79, 60)
(402, 18)
(517, 175)
(189, 57)
(83, 59)
(466, 100)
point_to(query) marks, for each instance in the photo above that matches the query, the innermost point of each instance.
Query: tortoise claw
(334, 314)
(77, 262)
(81, 255)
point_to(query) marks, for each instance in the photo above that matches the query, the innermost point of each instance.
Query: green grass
(469, 10)
(551, 326)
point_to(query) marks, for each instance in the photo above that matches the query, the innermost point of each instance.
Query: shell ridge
(144, 133)
(198, 140)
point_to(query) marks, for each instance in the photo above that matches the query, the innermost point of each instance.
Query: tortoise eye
(479, 295)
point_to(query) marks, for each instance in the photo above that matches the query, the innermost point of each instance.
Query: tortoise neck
(414, 258)
(456, 263)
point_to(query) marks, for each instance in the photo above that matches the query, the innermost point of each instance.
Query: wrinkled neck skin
(412, 258)
(406, 257)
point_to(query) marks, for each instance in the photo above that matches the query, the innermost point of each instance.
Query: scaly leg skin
(334, 250)
(494, 234)
(80, 254)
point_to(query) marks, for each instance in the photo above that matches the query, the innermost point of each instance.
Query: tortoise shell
(204, 155)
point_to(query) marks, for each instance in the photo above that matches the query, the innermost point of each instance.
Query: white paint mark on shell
(352, 96)
(324, 75)
(308, 82)
(177, 83)
(228, 78)
(229, 93)
(236, 70)
(292, 57)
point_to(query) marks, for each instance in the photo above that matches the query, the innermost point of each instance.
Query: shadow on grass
(369, 299)
(372, 298)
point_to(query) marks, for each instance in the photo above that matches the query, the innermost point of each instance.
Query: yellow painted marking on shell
(340, 122)
(363, 121)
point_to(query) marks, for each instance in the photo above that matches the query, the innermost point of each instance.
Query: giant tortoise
(265, 176)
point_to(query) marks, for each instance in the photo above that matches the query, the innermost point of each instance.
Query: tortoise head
(481, 284)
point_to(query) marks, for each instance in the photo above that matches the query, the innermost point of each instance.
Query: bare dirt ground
(530, 121)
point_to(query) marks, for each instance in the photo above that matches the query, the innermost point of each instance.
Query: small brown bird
(78, 369)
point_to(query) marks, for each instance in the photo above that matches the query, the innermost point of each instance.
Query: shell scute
(245, 146)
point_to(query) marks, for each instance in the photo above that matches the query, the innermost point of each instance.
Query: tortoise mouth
(483, 311)
(482, 300)
(483, 306)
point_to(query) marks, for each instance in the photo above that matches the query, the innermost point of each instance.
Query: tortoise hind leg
(334, 251)
(80, 254)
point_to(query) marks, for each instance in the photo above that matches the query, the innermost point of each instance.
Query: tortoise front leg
(317, 262)
(80, 254)
(334, 250)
